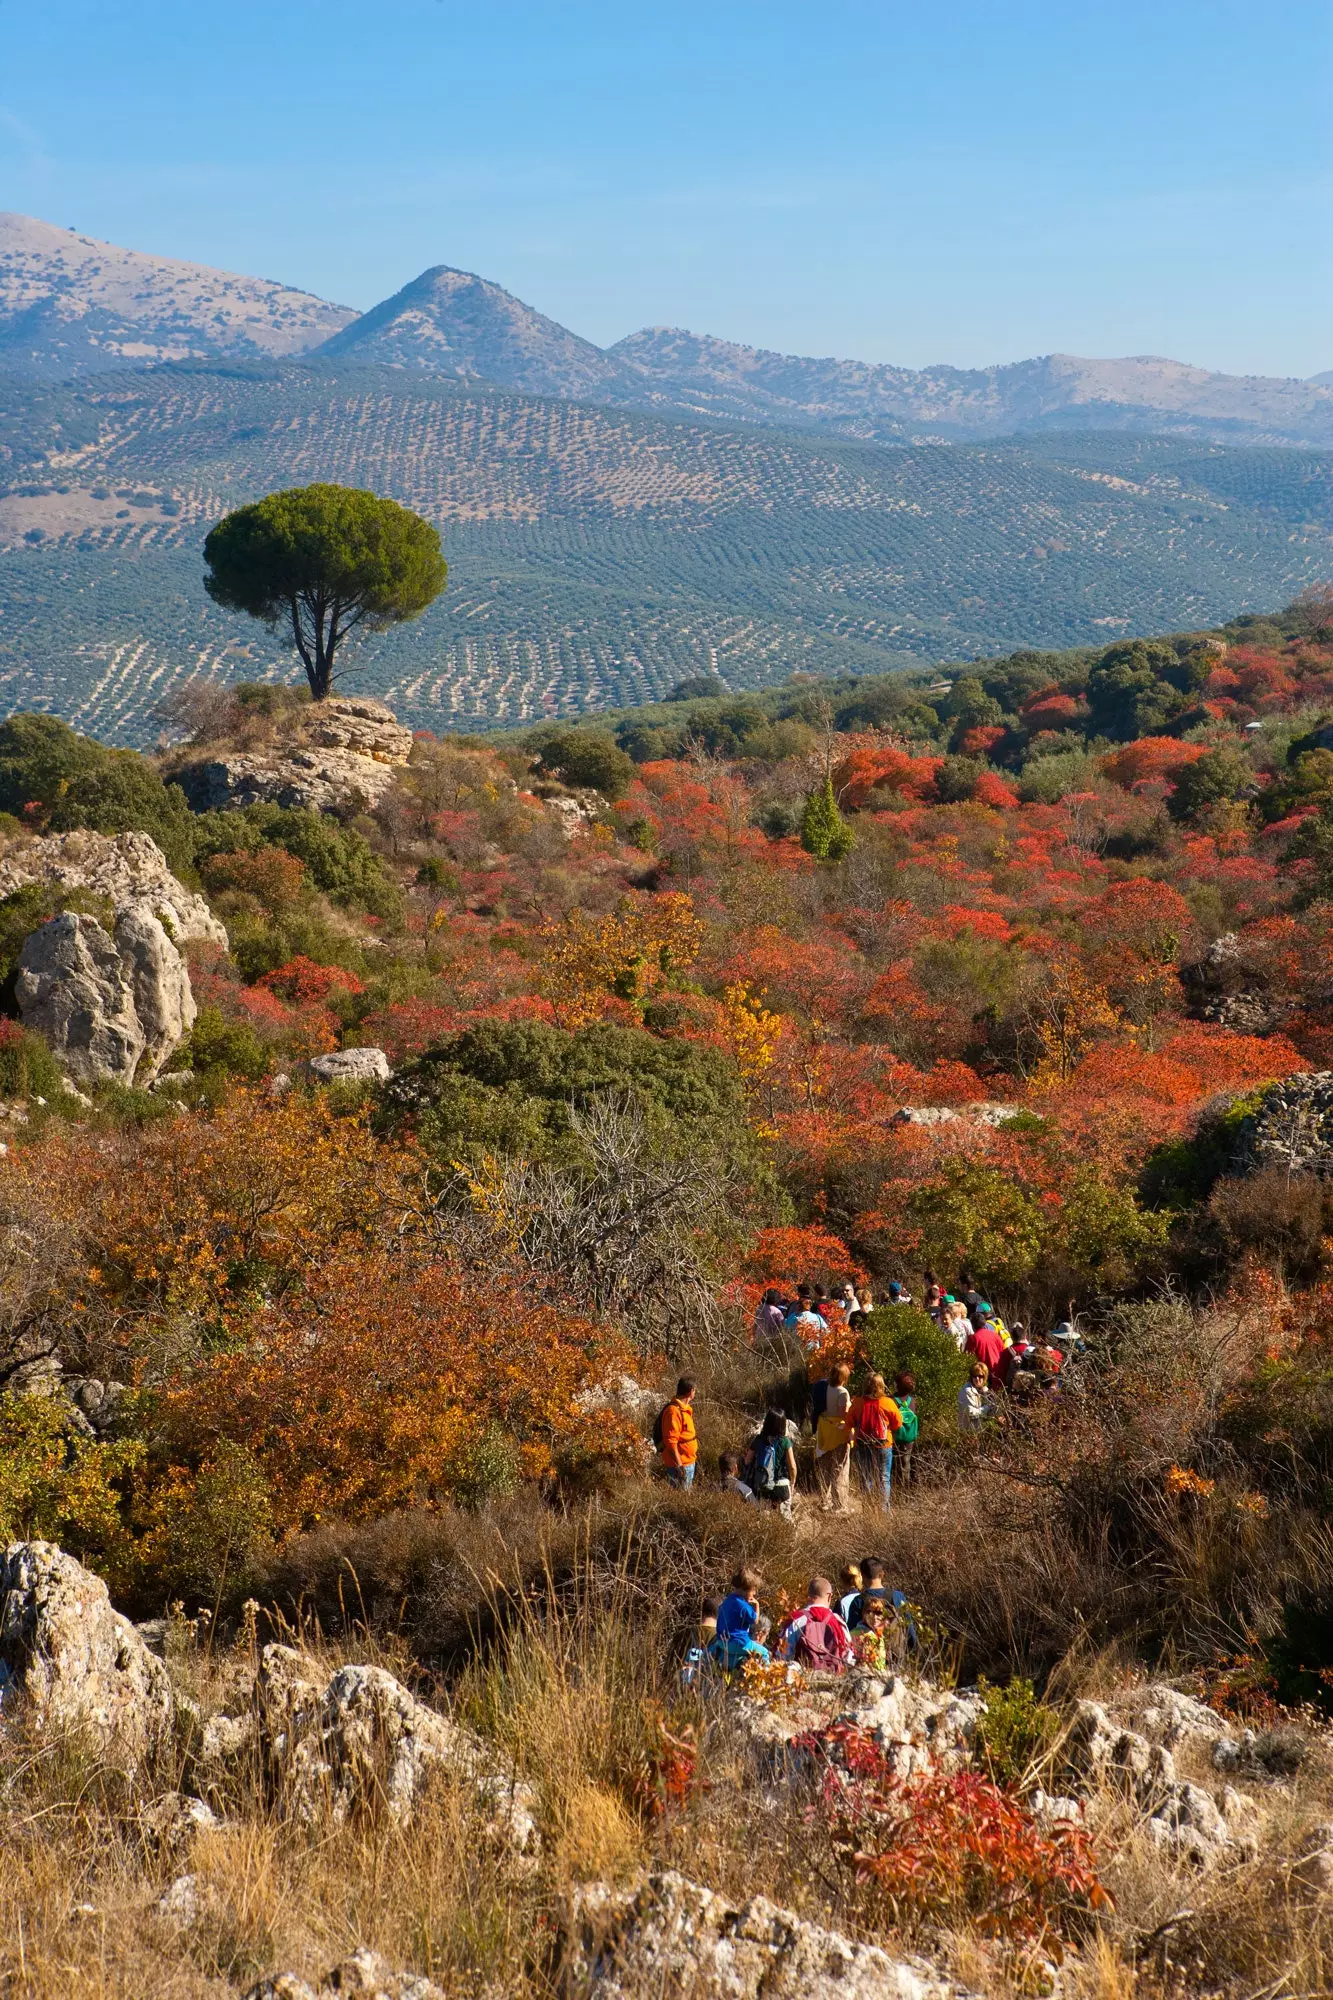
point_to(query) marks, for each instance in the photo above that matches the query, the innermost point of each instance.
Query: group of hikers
(863, 1622)
(863, 1430)
(871, 1432)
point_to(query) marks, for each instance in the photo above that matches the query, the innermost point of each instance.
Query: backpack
(818, 1649)
(818, 1400)
(911, 1423)
(658, 1422)
(872, 1426)
(765, 1465)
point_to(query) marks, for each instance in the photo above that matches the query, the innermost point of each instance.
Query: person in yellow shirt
(677, 1440)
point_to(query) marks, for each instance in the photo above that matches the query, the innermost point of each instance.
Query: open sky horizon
(972, 186)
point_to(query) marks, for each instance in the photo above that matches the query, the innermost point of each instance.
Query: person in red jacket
(679, 1445)
(986, 1345)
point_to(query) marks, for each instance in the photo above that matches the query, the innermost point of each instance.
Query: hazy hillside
(1142, 392)
(598, 556)
(70, 305)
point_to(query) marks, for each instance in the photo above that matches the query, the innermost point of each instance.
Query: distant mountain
(453, 323)
(70, 305)
(1057, 392)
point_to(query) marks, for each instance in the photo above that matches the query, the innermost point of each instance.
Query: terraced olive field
(597, 556)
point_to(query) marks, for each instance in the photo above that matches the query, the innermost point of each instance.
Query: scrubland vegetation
(657, 993)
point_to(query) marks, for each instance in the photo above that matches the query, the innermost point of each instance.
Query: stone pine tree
(824, 831)
(325, 561)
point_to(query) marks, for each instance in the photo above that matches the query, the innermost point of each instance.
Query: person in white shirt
(975, 1402)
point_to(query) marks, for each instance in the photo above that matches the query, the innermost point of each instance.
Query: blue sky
(967, 182)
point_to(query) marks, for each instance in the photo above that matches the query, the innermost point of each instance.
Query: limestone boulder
(364, 1065)
(333, 1744)
(1292, 1128)
(676, 1940)
(110, 1006)
(339, 755)
(74, 989)
(70, 1664)
(126, 868)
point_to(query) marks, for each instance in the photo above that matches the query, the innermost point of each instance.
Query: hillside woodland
(341, 1369)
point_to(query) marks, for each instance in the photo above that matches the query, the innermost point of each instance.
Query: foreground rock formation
(364, 1973)
(671, 1937)
(73, 1665)
(110, 1006)
(129, 869)
(341, 752)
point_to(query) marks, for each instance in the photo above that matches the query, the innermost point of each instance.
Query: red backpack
(819, 1649)
(872, 1425)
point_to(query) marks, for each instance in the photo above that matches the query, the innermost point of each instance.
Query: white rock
(74, 989)
(76, 1664)
(1172, 1718)
(366, 1065)
(364, 1973)
(341, 751)
(670, 1936)
(160, 986)
(125, 867)
(182, 1902)
(1313, 1869)
(334, 1744)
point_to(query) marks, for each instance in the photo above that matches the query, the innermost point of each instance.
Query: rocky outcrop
(332, 1744)
(109, 1006)
(342, 754)
(920, 1726)
(1292, 1127)
(364, 1065)
(1184, 1819)
(129, 869)
(673, 1939)
(69, 1664)
(364, 1973)
(981, 1113)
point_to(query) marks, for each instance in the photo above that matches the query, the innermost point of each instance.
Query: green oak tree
(329, 560)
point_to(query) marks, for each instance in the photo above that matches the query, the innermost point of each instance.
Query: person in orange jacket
(677, 1440)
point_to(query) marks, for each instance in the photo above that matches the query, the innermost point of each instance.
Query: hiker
(870, 1636)
(816, 1638)
(984, 1345)
(904, 1395)
(847, 1298)
(898, 1294)
(867, 1298)
(849, 1592)
(769, 1315)
(875, 1420)
(804, 1320)
(698, 1655)
(898, 1623)
(975, 1402)
(770, 1467)
(833, 1443)
(729, 1465)
(741, 1625)
(1022, 1354)
(818, 1400)
(675, 1436)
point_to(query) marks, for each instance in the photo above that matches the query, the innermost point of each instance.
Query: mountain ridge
(72, 305)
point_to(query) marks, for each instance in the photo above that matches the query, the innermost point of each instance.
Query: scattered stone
(1292, 1127)
(364, 1973)
(73, 1662)
(175, 1818)
(366, 1065)
(182, 1902)
(947, 1114)
(1180, 1817)
(625, 1396)
(670, 1937)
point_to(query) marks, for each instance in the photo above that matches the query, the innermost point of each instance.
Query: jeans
(680, 1475)
(832, 1475)
(874, 1469)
